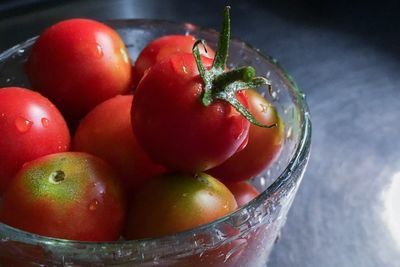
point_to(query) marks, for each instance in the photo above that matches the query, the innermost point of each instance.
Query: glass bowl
(243, 238)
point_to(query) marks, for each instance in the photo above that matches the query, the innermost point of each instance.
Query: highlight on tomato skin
(263, 146)
(79, 63)
(163, 47)
(171, 203)
(106, 132)
(30, 126)
(70, 195)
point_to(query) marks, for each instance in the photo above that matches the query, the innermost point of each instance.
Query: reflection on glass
(391, 211)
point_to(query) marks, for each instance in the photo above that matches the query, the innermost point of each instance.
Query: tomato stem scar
(56, 177)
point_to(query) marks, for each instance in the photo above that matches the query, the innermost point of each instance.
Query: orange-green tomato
(66, 195)
(263, 146)
(172, 203)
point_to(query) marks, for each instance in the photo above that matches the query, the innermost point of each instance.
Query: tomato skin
(171, 203)
(86, 204)
(243, 192)
(30, 127)
(174, 127)
(263, 145)
(163, 47)
(106, 132)
(79, 63)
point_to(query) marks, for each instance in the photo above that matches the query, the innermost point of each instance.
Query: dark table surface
(345, 55)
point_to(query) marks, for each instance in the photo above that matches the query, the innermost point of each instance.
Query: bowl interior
(277, 182)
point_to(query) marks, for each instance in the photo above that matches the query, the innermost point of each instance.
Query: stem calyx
(223, 85)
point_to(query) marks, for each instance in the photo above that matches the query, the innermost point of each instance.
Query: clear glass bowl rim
(301, 153)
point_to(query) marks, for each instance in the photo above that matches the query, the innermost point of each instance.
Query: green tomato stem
(222, 85)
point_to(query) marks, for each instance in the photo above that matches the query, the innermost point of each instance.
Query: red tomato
(263, 146)
(171, 203)
(66, 195)
(163, 47)
(106, 132)
(172, 124)
(243, 192)
(30, 127)
(79, 63)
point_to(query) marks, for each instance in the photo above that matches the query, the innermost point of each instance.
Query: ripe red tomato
(106, 132)
(263, 146)
(172, 124)
(163, 47)
(171, 203)
(68, 195)
(79, 63)
(243, 192)
(30, 127)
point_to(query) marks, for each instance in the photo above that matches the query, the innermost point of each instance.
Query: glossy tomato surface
(67, 195)
(243, 192)
(172, 124)
(79, 63)
(106, 132)
(263, 146)
(171, 203)
(30, 127)
(163, 47)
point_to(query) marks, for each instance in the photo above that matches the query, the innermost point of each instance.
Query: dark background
(345, 57)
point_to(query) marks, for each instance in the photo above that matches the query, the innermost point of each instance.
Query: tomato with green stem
(68, 195)
(190, 115)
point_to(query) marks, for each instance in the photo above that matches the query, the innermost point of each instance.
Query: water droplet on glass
(289, 133)
(274, 95)
(93, 205)
(21, 51)
(8, 80)
(22, 124)
(99, 50)
(262, 181)
(45, 122)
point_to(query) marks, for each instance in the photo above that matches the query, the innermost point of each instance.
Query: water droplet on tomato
(99, 50)
(22, 124)
(93, 205)
(45, 122)
(124, 55)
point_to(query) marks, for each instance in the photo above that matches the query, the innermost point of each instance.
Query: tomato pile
(103, 147)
